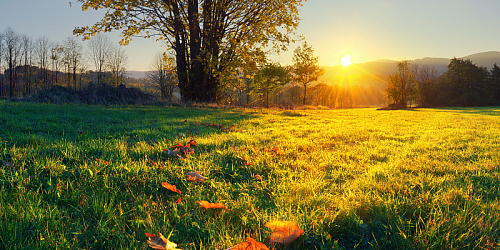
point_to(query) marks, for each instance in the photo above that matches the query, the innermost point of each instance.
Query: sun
(346, 60)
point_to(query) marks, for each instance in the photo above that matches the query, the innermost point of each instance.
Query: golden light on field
(346, 60)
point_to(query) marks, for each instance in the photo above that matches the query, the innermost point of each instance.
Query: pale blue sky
(368, 29)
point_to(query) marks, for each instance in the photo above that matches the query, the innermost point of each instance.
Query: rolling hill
(376, 72)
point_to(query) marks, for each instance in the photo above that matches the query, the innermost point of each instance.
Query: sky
(367, 29)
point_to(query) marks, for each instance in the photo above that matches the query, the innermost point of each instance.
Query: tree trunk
(196, 73)
(180, 51)
(305, 94)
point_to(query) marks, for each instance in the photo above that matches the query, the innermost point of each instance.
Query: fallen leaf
(250, 244)
(248, 163)
(258, 177)
(195, 176)
(174, 152)
(209, 205)
(170, 187)
(242, 158)
(178, 200)
(276, 151)
(284, 231)
(160, 242)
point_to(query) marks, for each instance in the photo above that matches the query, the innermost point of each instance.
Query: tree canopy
(208, 36)
(270, 78)
(400, 85)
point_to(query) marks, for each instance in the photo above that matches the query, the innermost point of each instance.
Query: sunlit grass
(89, 177)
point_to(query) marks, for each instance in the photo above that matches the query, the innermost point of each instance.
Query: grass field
(90, 177)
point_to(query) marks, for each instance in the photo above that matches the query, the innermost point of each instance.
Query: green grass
(89, 177)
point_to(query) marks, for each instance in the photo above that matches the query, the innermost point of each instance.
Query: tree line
(463, 84)
(29, 65)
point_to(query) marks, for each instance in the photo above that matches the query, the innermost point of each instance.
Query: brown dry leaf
(195, 176)
(174, 152)
(209, 205)
(250, 244)
(284, 231)
(160, 242)
(170, 187)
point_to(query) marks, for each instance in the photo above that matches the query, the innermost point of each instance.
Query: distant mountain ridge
(376, 72)
(136, 74)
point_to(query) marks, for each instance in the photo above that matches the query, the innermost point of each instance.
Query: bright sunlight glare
(346, 60)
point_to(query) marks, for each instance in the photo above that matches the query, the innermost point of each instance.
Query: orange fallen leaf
(258, 177)
(160, 242)
(284, 231)
(195, 176)
(242, 158)
(250, 244)
(276, 151)
(248, 163)
(178, 200)
(170, 187)
(209, 205)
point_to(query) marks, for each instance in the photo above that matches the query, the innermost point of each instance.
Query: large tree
(305, 69)
(467, 82)
(206, 35)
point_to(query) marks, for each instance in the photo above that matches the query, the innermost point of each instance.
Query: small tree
(117, 65)
(12, 54)
(426, 80)
(305, 68)
(163, 73)
(73, 57)
(270, 78)
(400, 85)
(99, 49)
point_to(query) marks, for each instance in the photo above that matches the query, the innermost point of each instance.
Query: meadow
(90, 177)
